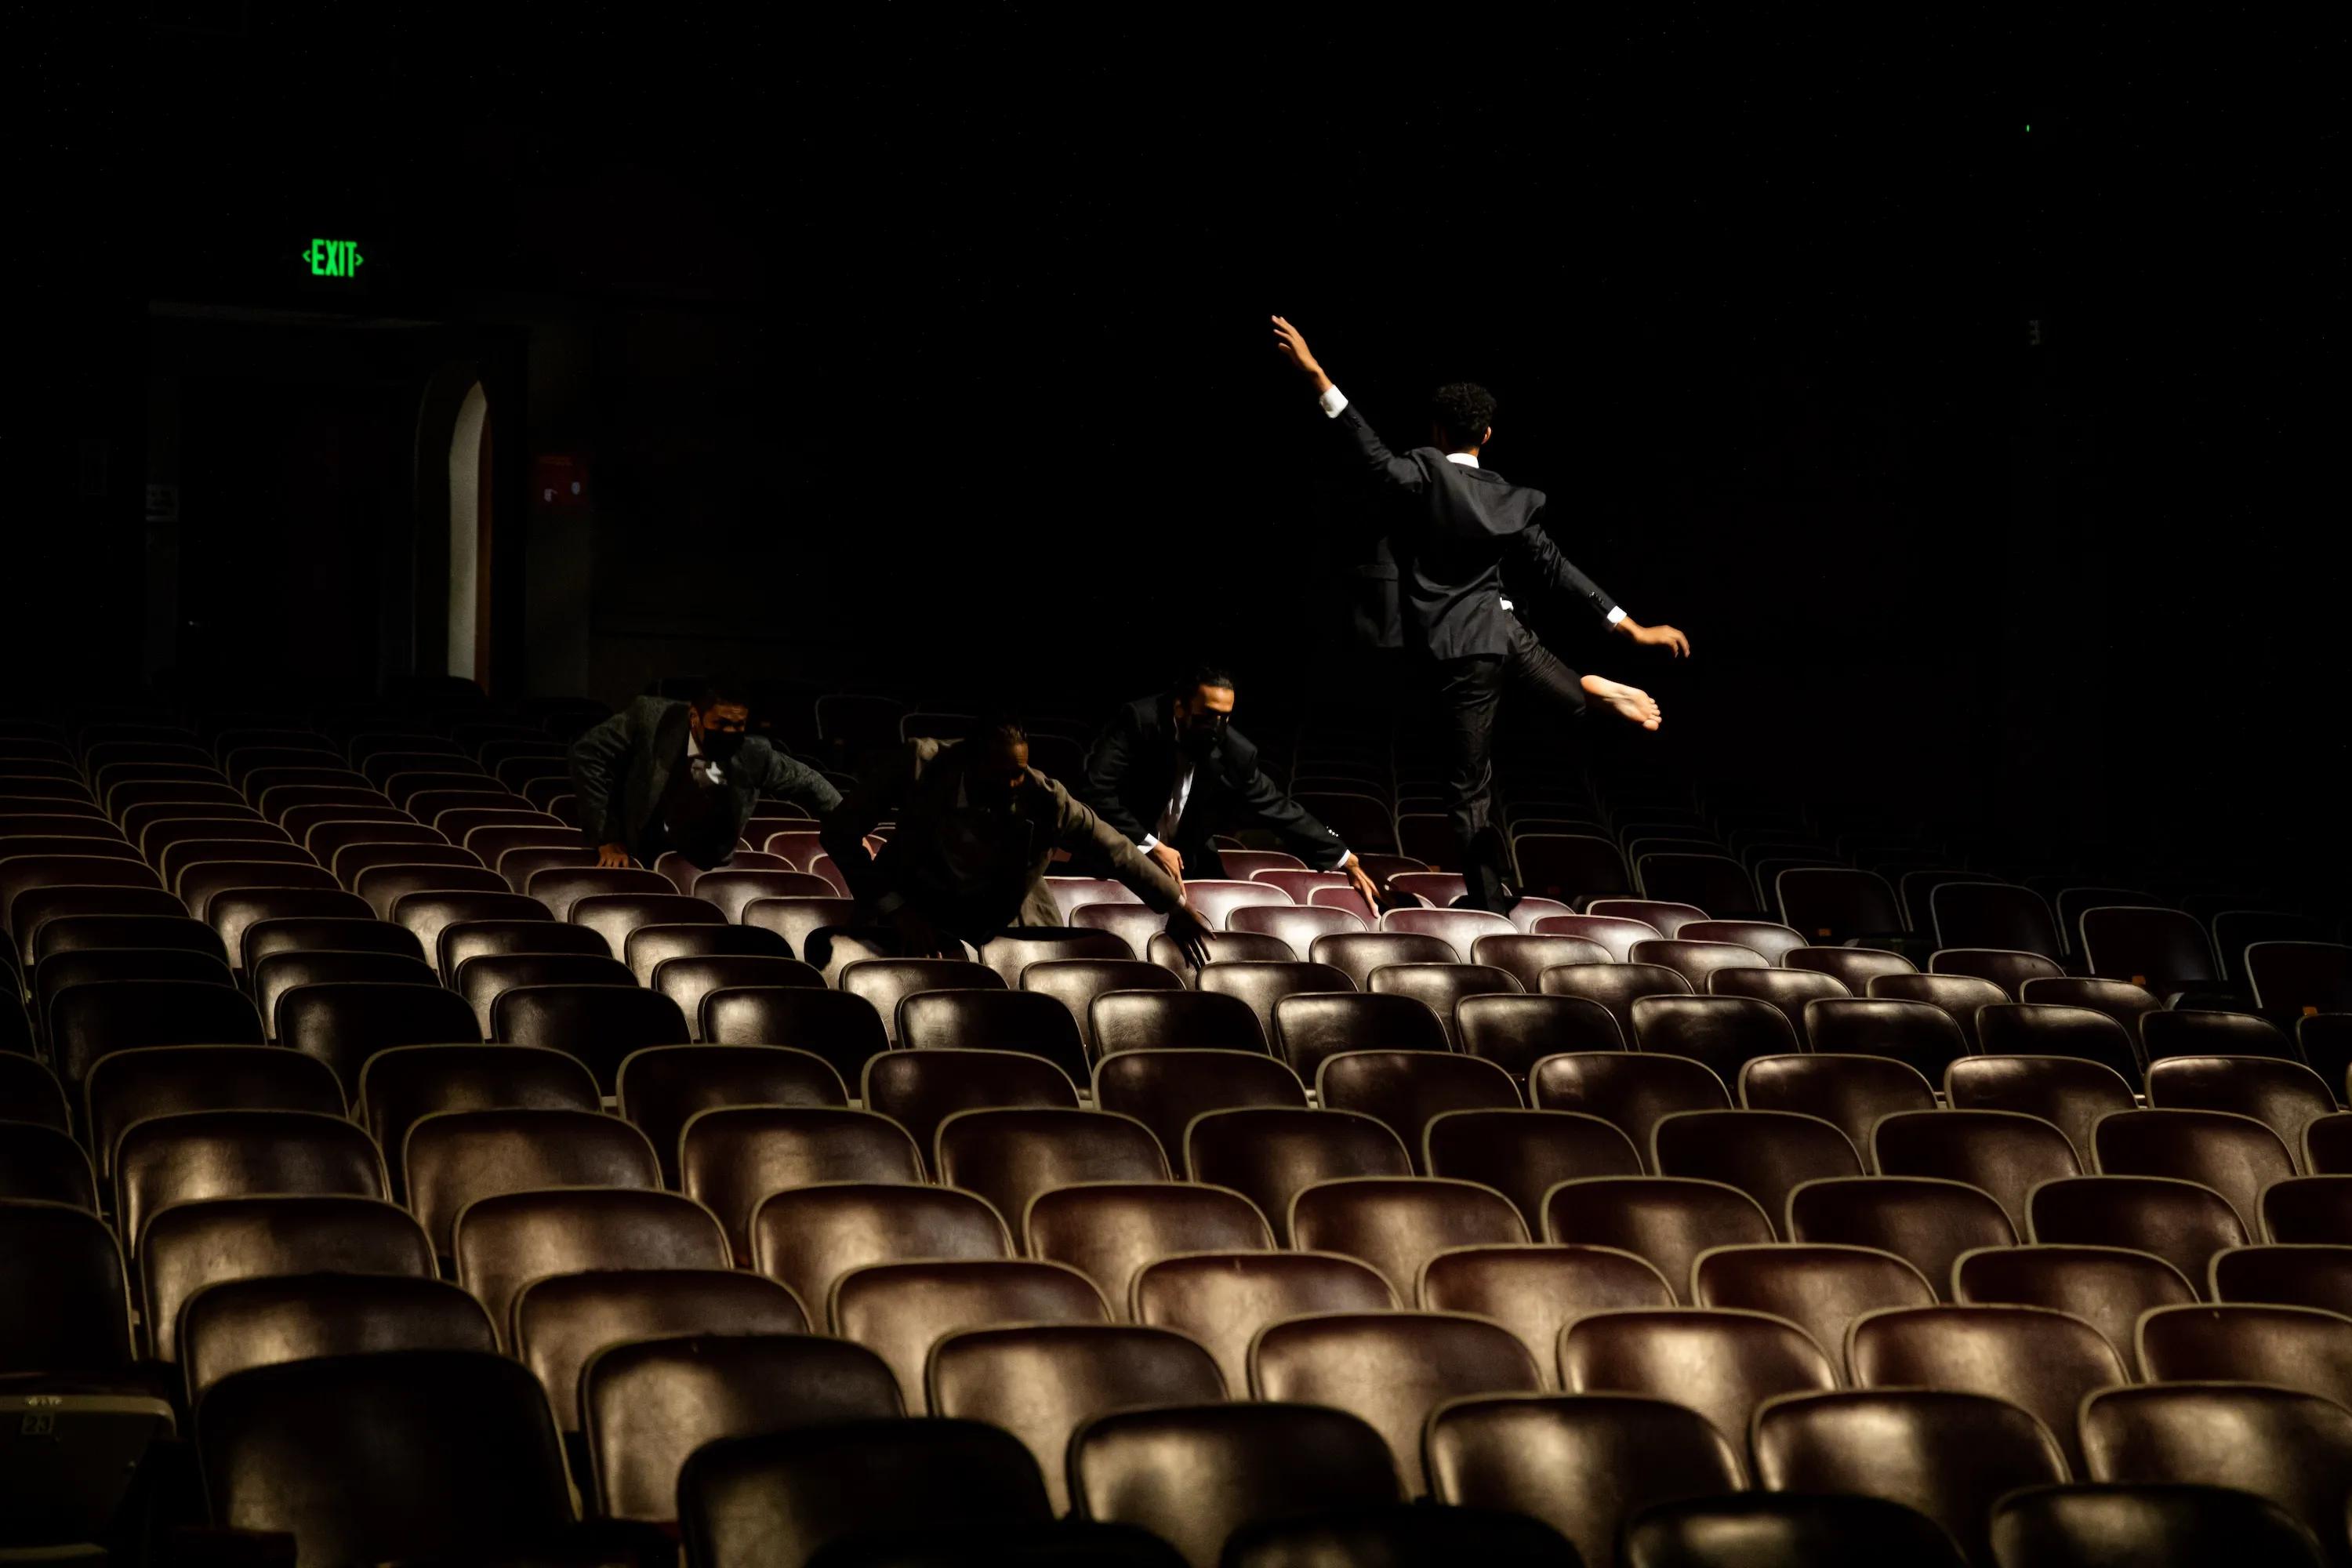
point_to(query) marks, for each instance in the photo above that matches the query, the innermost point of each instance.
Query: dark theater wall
(930, 350)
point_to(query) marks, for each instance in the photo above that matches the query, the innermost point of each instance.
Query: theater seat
(184, 1158)
(43, 1164)
(1405, 1090)
(1311, 1026)
(1719, 1362)
(397, 1456)
(648, 1404)
(1949, 1455)
(1108, 1230)
(920, 1090)
(561, 1322)
(1160, 1018)
(900, 1311)
(1165, 1089)
(1666, 1221)
(781, 1497)
(1010, 1155)
(504, 1241)
(2293, 1449)
(663, 1088)
(1582, 1463)
(1043, 1381)
(1927, 1223)
(1269, 1154)
(993, 1019)
(270, 1319)
(190, 1246)
(600, 1025)
(1194, 1475)
(2155, 1523)
(453, 1158)
(809, 1239)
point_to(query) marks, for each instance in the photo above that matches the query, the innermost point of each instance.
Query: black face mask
(721, 745)
(1198, 740)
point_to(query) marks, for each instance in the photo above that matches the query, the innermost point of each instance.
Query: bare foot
(1631, 701)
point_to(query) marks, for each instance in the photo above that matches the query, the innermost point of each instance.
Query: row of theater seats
(632, 1347)
(969, 1191)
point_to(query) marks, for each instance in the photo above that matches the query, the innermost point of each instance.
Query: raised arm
(1537, 551)
(1385, 465)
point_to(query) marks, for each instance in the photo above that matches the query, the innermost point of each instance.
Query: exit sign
(333, 258)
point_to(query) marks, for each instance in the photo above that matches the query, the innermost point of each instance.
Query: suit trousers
(1470, 690)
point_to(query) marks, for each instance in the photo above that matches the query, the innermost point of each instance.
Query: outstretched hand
(1656, 636)
(1291, 343)
(1191, 934)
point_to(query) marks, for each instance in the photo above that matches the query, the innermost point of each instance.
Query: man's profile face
(723, 717)
(997, 779)
(1201, 718)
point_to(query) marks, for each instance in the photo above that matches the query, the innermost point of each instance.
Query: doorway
(469, 540)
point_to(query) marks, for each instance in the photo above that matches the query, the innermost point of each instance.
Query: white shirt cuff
(1333, 401)
(1616, 613)
(1151, 842)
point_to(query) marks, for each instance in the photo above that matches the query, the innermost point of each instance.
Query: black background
(927, 346)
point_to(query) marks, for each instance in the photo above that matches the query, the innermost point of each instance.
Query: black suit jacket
(621, 768)
(1452, 530)
(1131, 772)
(972, 873)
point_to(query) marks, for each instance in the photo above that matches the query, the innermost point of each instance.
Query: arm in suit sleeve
(1260, 798)
(881, 784)
(1537, 551)
(789, 778)
(1107, 761)
(597, 760)
(1373, 453)
(1075, 829)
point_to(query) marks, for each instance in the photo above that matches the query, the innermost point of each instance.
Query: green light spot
(2029, 131)
(333, 258)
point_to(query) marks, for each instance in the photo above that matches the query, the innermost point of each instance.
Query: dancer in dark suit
(1458, 524)
(977, 830)
(1170, 771)
(662, 774)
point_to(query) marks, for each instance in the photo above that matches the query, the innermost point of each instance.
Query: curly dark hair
(998, 732)
(722, 691)
(1462, 410)
(1206, 672)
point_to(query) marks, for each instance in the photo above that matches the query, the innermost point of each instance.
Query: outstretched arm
(881, 785)
(1263, 800)
(1540, 551)
(596, 761)
(789, 778)
(1385, 465)
(1075, 827)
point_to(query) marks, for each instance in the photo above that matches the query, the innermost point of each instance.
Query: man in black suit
(662, 774)
(977, 830)
(1170, 770)
(1455, 525)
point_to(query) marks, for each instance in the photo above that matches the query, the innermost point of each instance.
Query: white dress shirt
(1334, 401)
(1174, 811)
(703, 769)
